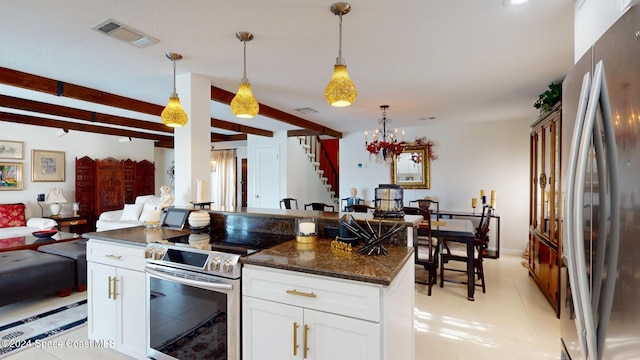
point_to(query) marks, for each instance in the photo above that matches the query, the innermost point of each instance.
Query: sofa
(131, 215)
(16, 221)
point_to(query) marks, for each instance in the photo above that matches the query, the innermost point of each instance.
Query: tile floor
(511, 321)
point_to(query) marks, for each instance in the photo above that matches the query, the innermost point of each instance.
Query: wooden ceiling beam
(225, 97)
(294, 133)
(58, 110)
(221, 137)
(226, 125)
(60, 124)
(60, 88)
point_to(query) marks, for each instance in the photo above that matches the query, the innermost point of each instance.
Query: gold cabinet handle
(115, 281)
(295, 338)
(306, 330)
(300, 293)
(115, 257)
(109, 294)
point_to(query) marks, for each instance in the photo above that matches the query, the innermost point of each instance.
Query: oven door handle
(181, 280)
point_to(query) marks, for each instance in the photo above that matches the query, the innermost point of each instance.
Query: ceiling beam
(225, 97)
(220, 137)
(60, 88)
(294, 133)
(226, 125)
(58, 110)
(60, 124)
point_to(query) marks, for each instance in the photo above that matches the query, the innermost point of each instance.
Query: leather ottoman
(25, 274)
(76, 250)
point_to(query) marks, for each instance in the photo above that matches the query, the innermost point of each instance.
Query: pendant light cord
(339, 60)
(244, 69)
(174, 79)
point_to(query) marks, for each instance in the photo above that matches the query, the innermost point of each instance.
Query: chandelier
(173, 114)
(385, 145)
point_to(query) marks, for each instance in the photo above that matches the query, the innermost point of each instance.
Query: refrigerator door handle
(613, 235)
(570, 229)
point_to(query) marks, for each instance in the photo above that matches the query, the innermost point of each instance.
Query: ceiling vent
(118, 31)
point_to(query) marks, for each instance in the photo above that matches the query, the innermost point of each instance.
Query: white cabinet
(116, 290)
(291, 315)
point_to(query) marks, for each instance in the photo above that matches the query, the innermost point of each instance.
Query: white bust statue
(166, 197)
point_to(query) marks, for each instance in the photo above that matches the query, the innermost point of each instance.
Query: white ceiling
(455, 60)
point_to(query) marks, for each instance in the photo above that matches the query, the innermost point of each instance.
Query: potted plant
(549, 98)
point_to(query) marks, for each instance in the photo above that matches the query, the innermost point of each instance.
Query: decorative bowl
(44, 233)
(199, 219)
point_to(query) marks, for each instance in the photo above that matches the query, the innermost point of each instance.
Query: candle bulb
(402, 135)
(493, 203)
(482, 193)
(366, 137)
(474, 202)
(493, 194)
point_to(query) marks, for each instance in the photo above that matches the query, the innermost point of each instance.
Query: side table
(73, 224)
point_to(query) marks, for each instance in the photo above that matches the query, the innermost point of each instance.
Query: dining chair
(287, 203)
(319, 206)
(426, 204)
(348, 201)
(361, 208)
(456, 251)
(426, 249)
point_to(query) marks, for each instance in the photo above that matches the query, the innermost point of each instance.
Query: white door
(102, 307)
(266, 180)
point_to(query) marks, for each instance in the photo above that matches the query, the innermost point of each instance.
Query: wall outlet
(40, 197)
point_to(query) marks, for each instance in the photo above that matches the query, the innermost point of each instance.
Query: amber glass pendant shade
(244, 105)
(340, 91)
(174, 115)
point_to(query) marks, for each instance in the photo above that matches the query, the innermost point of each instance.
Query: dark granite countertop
(321, 259)
(138, 235)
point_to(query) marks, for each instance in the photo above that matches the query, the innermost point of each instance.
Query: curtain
(223, 177)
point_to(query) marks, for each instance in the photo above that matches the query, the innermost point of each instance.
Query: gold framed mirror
(412, 168)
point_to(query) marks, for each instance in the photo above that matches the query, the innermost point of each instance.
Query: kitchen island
(361, 299)
(318, 301)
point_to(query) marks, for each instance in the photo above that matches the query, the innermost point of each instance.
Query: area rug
(205, 341)
(35, 329)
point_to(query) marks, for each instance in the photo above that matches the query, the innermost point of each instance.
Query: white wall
(74, 144)
(471, 157)
(592, 19)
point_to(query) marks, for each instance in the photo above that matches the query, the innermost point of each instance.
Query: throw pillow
(130, 213)
(146, 211)
(12, 215)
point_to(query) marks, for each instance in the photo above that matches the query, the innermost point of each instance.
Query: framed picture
(11, 176)
(47, 165)
(11, 149)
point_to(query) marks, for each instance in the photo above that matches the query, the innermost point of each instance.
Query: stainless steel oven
(193, 303)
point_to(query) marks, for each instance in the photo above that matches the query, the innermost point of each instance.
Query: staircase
(319, 158)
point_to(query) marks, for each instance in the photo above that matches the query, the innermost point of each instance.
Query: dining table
(463, 231)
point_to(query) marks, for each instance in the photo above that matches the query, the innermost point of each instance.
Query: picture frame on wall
(47, 166)
(11, 149)
(11, 176)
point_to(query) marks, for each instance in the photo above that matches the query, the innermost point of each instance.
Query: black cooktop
(234, 241)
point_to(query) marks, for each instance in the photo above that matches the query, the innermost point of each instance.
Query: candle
(546, 196)
(474, 202)
(153, 216)
(307, 228)
(402, 135)
(366, 137)
(493, 194)
(200, 189)
(493, 203)
(482, 193)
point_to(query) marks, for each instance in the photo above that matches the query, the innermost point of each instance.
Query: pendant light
(340, 91)
(174, 115)
(244, 105)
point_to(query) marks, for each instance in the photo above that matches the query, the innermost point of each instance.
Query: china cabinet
(545, 205)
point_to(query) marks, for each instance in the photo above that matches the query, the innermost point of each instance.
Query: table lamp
(54, 198)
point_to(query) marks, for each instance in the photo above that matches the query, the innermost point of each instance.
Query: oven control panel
(205, 261)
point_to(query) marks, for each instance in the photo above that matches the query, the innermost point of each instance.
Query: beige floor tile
(512, 320)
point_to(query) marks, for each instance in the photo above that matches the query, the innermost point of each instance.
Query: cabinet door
(271, 330)
(102, 308)
(132, 310)
(332, 337)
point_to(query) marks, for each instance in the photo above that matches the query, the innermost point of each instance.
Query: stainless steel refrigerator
(600, 297)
